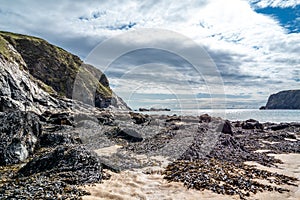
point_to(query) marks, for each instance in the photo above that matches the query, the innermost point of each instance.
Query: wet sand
(136, 185)
(290, 167)
(148, 183)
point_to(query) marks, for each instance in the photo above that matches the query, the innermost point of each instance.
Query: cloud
(257, 53)
(275, 3)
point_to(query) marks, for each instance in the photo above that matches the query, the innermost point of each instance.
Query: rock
(227, 128)
(74, 164)
(289, 99)
(127, 134)
(154, 109)
(144, 110)
(252, 124)
(262, 108)
(159, 109)
(56, 139)
(139, 118)
(61, 119)
(280, 126)
(205, 118)
(173, 118)
(19, 132)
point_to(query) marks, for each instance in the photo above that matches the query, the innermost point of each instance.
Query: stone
(76, 164)
(127, 134)
(56, 139)
(252, 124)
(227, 127)
(19, 133)
(139, 118)
(205, 118)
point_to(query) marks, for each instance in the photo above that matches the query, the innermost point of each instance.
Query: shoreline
(132, 155)
(138, 184)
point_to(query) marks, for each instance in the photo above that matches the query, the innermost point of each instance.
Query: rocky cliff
(289, 99)
(35, 74)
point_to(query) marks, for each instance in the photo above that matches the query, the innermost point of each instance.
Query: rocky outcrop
(75, 163)
(19, 136)
(289, 99)
(29, 65)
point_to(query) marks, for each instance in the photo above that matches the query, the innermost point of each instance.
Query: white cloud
(275, 3)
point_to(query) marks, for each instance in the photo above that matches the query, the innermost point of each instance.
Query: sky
(254, 46)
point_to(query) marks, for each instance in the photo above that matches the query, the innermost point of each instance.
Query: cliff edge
(35, 73)
(288, 99)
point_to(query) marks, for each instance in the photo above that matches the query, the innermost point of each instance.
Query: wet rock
(173, 118)
(227, 127)
(19, 132)
(280, 126)
(75, 165)
(127, 134)
(56, 139)
(252, 124)
(205, 118)
(139, 118)
(61, 119)
(144, 110)
(106, 119)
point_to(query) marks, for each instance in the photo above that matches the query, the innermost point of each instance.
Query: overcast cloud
(254, 46)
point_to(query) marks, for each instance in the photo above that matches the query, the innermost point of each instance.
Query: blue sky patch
(122, 26)
(288, 17)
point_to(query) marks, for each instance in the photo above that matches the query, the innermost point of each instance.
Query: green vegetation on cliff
(55, 68)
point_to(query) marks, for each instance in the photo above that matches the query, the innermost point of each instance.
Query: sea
(275, 116)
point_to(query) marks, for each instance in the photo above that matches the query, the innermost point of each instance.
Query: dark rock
(262, 108)
(75, 165)
(227, 128)
(61, 119)
(154, 109)
(127, 134)
(139, 118)
(205, 118)
(19, 132)
(106, 119)
(173, 118)
(252, 124)
(159, 109)
(56, 139)
(289, 99)
(279, 126)
(144, 110)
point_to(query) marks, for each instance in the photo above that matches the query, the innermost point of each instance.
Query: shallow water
(275, 116)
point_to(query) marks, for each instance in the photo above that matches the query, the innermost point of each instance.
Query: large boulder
(252, 124)
(74, 164)
(19, 132)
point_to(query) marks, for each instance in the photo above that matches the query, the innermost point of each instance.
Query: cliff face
(34, 71)
(289, 99)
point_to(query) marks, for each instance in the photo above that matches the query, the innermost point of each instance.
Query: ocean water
(275, 116)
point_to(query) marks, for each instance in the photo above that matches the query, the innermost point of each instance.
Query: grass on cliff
(20, 36)
(55, 68)
(4, 49)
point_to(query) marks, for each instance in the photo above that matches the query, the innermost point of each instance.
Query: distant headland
(288, 99)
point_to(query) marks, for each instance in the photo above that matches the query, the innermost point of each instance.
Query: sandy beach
(148, 183)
